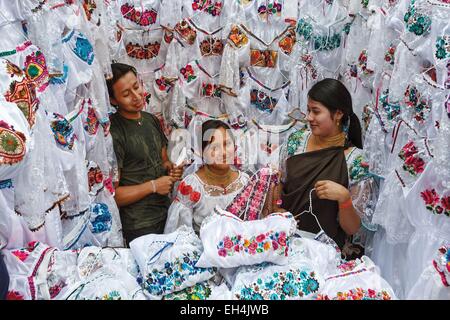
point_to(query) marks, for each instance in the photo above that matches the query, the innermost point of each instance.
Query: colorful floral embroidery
(392, 110)
(188, 73)
(412, 162)
(83, 49)
(211, 90)
(89, 6)
(358, 294)
(273, 8)
(201, 291)
(287, 43)
(101, 218)
(295, 140)
(359, 169)
(275, 241)
(12, 144)
(144, 18)
(389, 55)
(36, 70)
(211, 47)
(417, 23)
(213, 8)
(23, 94)
(56, 289)
(435, 203)
(263, 58)
(23, 253)
(420, 106)
(163, 84)
(148, 51)
(365, 3)
(237, 37)
(63, 132)
(307, 60)
(280, 286)
(174, 274)
(320, 43)
(362, 60)
(186, 31)
(91, 123)
(443, 47)
(14, 295)
(95, 177)
(113, 295)
(262, 101)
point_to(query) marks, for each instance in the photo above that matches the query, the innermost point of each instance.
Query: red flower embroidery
(430, 197)
(14, 295)
(195, 196)
(260, 238)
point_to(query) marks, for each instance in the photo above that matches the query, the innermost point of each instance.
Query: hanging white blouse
(195, 200)
(264, 96)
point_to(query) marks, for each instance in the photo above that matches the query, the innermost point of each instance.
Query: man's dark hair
(118, 71)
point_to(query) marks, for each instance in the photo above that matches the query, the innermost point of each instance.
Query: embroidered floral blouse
(195, 200)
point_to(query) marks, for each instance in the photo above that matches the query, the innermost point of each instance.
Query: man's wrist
(152, 182)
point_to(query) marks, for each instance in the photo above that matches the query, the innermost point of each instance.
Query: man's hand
(176, 172)
(168, 165)
(164, 185)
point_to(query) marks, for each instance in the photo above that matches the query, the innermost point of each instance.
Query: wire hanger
(310, 210)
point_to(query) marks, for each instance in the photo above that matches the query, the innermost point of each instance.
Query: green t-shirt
(138, 151)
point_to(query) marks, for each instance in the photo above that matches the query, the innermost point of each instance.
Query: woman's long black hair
(335, 96)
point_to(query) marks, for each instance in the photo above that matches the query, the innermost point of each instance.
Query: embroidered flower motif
(14, 295)
(36, 70)
(358, 294)
(304, 29)
(95, 177)
(237, 37)
(188, 73)
(416, 22)
(287, 43)
(12, 145)
(229, 246)
(23, 253)
(263, 58)
(295, 140)
(441, 264)
(211, 90)
(56, 289)
(359, 169)
(163, 84)
(435, 203)
(208, 6)
(83, 49)
(186, 31)
(200, 291)
(443, 47)
(262, 101)
(392, 110)
(291, 284)
(413, 164)
(113, 295)
(420, 107)
(211, 47)
(63, 132)
(6, 184)
(365, 3)
(144, 18)
(273, 8)
(146, 52)
(91, 122)
(101, 219)
(362, 60)
(389, 55)
(175, 273)
(89, 6)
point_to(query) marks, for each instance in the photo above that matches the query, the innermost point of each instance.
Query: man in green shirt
(146, 175)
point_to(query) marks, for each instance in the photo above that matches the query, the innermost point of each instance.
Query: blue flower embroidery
(84, 50)
(101, 218)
